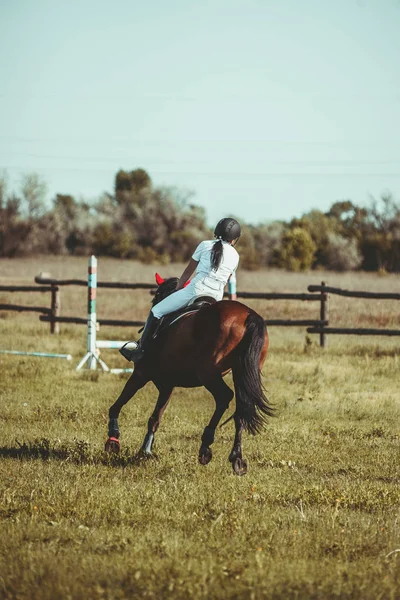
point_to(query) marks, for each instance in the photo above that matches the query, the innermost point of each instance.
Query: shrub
(297, 250)
(342, 253)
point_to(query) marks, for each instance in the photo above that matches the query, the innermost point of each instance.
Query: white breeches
(200, 286)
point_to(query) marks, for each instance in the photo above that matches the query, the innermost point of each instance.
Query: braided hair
(216, 254)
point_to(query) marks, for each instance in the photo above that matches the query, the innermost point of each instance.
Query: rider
(214, 262)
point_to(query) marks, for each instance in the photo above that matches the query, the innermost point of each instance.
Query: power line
(225, 174)
(164, 161)
(166, 141)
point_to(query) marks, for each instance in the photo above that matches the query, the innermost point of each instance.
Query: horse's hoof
(112, 445)
(239, 466)
(205, 456)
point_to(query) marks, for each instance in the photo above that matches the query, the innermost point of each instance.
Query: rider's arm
(191, 267)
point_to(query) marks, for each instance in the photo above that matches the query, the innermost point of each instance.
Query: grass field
(317, 516)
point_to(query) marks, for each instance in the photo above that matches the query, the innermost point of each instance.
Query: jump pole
(42, 354)
(92, 356)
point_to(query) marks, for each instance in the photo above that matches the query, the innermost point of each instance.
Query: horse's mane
(165, 289)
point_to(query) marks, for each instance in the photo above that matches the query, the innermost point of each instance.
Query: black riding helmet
(227, 229)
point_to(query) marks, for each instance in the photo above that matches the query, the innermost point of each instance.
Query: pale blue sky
(265, 109)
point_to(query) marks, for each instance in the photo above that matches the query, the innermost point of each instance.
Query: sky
(264, 109)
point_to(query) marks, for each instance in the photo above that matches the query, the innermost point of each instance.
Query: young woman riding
(214, 262)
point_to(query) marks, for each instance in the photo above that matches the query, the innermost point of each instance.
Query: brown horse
(198, 349)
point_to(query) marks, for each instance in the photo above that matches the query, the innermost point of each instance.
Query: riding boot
(149, 330)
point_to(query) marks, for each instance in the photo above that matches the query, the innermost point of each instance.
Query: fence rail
(83, 321)
(354, 294)
(349, 331)
(119, 323)
(277, 296)
(20, 308)
(104, 284)
(25, 288)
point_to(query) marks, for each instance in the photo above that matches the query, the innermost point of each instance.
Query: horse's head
(165, 288)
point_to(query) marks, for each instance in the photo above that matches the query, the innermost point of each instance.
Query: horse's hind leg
(222, 396)
(134, 383)
(154, 421)
(239, 464)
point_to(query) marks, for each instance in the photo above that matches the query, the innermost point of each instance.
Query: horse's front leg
(222, 396)
(154, 421)
(136, 381)
(239, 464)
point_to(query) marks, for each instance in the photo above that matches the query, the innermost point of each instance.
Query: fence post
(55, 308)
(232, 287)
(324, 315)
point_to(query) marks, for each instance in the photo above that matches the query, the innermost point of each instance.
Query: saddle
(193, 306)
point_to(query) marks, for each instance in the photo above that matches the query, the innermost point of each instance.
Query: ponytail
(216, 255)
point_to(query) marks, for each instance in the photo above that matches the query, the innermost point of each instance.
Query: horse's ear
(187, 283)
(159, 279)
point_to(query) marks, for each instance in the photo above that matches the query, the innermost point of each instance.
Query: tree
(131, 184)
(250, 258)
(351, 220)
(113, 239)
(380, 243)
(20, 217)
(13, 228)
(268, 240)
(33, 195)
(319, 226)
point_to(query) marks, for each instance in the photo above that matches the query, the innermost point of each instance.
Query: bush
(297, 250)
(342, 254)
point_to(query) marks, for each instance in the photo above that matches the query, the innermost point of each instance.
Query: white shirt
(228, 265)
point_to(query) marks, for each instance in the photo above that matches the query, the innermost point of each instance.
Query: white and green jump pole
(92, 355)
(41, 354)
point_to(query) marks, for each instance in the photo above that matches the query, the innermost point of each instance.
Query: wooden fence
(323, 331)
(52, 312)
(313, 297)
(317, 293)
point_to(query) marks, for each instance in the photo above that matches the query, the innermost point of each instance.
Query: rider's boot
(149, 330)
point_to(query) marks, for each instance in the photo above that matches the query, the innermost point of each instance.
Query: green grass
(317, 516)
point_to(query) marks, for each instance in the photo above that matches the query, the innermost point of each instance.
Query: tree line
(161, 225)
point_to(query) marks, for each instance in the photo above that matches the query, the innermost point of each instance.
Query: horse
(198, 348)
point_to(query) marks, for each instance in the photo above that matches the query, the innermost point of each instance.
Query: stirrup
(133, 352)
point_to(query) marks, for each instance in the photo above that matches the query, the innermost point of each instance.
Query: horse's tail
(252, 405)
